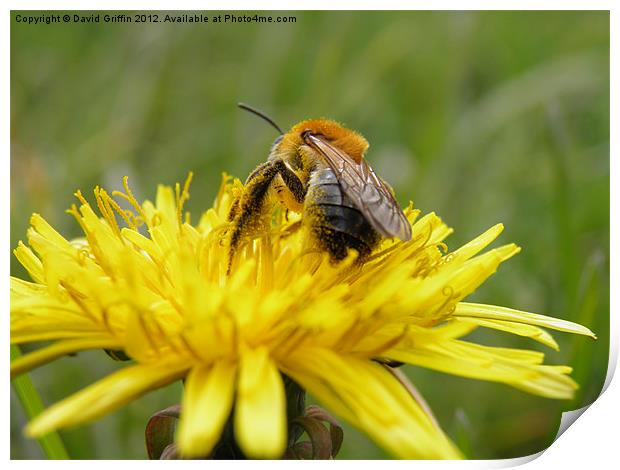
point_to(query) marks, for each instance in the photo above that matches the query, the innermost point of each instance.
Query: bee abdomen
(334, 220)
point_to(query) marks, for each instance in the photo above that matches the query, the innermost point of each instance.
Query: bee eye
(276, 142)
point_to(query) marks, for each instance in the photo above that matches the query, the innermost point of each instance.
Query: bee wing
(367, 191)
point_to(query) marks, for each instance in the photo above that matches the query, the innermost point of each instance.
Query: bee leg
(247, 211)
(258, 171)
(291, 180)
(234, 208)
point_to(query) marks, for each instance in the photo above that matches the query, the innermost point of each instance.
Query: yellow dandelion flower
(162, 296)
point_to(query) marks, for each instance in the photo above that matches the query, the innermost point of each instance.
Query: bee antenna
(260, 114)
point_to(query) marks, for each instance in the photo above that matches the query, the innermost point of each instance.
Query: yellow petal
(59, 349)
(434, 296)
(207, 402)
(42, 317)
(104, 396)
(29, 260)
(549, 382)
(165, 204)
(52, 334)
(476, 270)
(371, 399)
(141, 242)
(48, 232)
(516, 367)
(24, 289)
(165, 295)
(520, 329)
(479, 243)
(260, 411)
(493, 312)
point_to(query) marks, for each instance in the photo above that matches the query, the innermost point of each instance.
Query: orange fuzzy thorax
(345, 139)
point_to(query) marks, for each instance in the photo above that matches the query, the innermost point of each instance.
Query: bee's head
(275, 144)
(287, 146)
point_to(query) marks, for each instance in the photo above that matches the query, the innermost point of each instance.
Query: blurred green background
(481, 117)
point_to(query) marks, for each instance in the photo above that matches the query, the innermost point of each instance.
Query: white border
(590, 443)
(314, 5)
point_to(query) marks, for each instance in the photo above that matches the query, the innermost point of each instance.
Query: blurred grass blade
(51, 444)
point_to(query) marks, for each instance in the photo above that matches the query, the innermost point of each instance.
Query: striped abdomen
(334, 220)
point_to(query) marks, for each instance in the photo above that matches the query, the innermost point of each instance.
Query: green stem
(51, 443)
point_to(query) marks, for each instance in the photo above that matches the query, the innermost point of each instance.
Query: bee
(318, 169)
